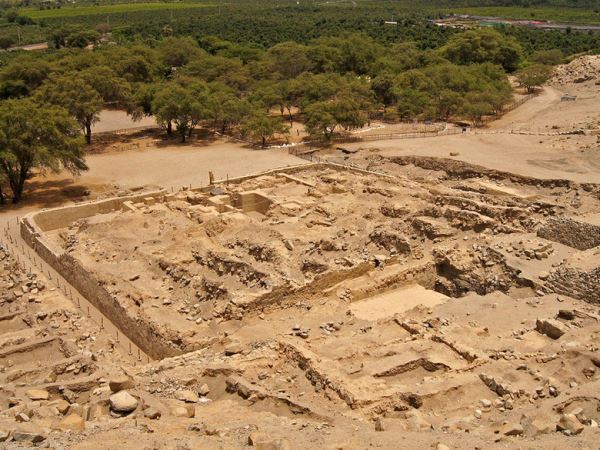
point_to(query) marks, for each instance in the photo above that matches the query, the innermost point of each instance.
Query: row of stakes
(21, 261)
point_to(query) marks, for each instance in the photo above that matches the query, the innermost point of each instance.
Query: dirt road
(177, 166)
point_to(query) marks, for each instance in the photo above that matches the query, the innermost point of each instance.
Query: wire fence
(30, 262)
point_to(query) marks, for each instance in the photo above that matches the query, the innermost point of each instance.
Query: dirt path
(530, 111)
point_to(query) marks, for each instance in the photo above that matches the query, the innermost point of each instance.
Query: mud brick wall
(575, 283)
(579, 235)
(53, 219)
(143, 334)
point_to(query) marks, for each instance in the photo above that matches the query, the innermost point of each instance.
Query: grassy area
(566, 15)
(80, 11)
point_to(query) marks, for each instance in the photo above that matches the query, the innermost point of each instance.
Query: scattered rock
(263, 442)
(187, 396)
(184, 411)
(152, 413)
(512, 429)
(61, 405)
(27, 436)
(22, 417)
(204, 390)
(233, 349)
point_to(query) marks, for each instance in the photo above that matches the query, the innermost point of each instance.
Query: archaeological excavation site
(401, 302)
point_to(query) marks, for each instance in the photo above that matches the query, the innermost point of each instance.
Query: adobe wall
(143, 334)
(52, 219)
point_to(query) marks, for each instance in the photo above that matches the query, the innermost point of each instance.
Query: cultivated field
(119, 8)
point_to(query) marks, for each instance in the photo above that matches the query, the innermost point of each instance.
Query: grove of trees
(332, 84)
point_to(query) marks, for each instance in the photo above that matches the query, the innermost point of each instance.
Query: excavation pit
(177, 272)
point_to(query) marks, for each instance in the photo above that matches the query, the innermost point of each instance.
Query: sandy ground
(113, 120)
(395, 302)
(547, 110)
(535, 156)
(178, 166)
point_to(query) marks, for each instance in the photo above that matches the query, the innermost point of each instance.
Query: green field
(80, 11)
(565, 15)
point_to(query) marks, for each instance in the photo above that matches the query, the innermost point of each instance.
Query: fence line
(30, 261)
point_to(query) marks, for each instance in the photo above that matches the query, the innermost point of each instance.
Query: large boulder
(123, 402)
(569, 424)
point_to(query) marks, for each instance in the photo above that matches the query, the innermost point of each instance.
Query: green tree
(181, 106)
(288, 59)
(177, 52)
(320, 119)
(30, 72)
(548, 57)
(73, 93)
(485, 45)
(259, 125)
(475, 106)
(6, 42)
(534, 76)
(34, 136)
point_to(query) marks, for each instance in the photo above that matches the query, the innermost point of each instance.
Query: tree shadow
(47, 193)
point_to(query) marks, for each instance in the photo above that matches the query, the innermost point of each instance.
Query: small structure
(568, 98)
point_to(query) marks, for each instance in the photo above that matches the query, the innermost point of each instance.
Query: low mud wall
(461, 170)
(143, 334)
(146, 335)
(52, 219)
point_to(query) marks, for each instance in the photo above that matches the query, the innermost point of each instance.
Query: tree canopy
(36, 137)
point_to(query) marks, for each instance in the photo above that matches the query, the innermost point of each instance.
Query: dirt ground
(114, 120)
(440, 293)
(543, 154)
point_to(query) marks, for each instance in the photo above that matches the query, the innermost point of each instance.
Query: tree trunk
(182, 136)
(224, 127)
(169, 128)
(88, 132)
(17, 184)
(264, 142)
(2, 200)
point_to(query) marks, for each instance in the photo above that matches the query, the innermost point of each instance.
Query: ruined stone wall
(52, 219)
(143, 334)
(579, 235)
(575, 282)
